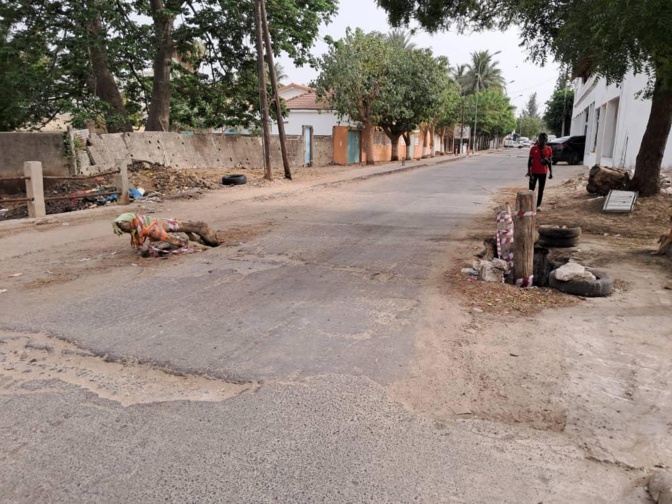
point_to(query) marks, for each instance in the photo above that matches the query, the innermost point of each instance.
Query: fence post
(523, 239)
(121, 181)
(35, 188)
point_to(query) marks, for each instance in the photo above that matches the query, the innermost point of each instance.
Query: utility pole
(274, 86)
(263, 98)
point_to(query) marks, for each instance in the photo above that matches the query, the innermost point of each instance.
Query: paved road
(333, 286)
(320, 315)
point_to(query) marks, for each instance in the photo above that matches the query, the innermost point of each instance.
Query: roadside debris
(601, 180)
(163, 236)
(573, 278)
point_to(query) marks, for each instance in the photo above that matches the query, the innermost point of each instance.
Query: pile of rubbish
(162, 181)
(84, 194)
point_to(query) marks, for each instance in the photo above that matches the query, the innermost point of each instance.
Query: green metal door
(354, 147)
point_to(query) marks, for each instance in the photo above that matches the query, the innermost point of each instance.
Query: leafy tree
(495, 112)
(529, 122)
(529, 127)
(604, 38)
(531, 108)
(413, 93)
(560, 103)
(98, 52)
(354, 73)
(79, 43)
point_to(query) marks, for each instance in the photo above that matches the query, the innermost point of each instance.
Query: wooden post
(274, 87)
(523, 235)
(121, 181)
(35, 188)
(263, 98)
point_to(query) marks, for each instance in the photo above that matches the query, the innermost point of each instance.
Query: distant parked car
(569, 149)
(524, 143)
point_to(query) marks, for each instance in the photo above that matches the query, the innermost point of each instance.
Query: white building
(306, 111)
(613, 120)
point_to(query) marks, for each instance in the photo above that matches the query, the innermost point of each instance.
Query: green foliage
(54, 41)
(529, 126)
(417, 91)
(560, 103)
(354, 73)
(495, 112)
(531, 108)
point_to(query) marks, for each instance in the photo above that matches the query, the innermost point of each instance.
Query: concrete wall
(614, 121)
(48, 148)
(323, 150)
(188, 151)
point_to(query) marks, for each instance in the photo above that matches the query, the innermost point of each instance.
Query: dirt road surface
(329, 352)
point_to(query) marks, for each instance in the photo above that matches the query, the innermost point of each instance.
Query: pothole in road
(30, 357)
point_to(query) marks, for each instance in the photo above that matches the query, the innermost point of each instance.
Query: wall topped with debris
(186, 151)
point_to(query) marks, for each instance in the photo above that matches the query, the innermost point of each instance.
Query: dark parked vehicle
(569, 148)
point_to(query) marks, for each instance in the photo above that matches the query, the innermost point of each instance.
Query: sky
(527, 78)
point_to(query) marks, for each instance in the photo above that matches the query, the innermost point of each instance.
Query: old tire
(600, 287)
(234, 180)
(555, 232)
(558, 242)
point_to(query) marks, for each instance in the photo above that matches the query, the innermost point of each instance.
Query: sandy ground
(598, 370)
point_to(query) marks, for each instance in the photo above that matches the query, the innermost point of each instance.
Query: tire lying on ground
(234, 179)
(554, 232)
(600, 287)
(558, 242)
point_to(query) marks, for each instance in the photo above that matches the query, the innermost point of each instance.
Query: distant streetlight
(478, 79)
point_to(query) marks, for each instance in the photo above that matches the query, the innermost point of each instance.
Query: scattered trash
(620, 201)
(15, 275)
(2, 291)
(134, 193)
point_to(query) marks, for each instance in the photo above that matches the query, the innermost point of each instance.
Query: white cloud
(528, 78)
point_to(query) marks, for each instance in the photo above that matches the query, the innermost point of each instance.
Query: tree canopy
(560, 103)
(101, 53)
(603, 38)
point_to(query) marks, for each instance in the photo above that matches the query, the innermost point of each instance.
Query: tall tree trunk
(407, 140)
(431, 141)
(367, 133)
(394, 140)
(652, 148)
(423, 132)
(159, 108)
(101, 81)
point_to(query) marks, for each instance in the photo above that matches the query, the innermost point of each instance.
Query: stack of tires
(558, 237)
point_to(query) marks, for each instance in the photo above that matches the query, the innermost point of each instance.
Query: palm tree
(401, 39)
(482, 73)
(458, 74)
(280, 74)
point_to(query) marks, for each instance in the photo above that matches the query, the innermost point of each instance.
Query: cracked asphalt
(321, 314)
